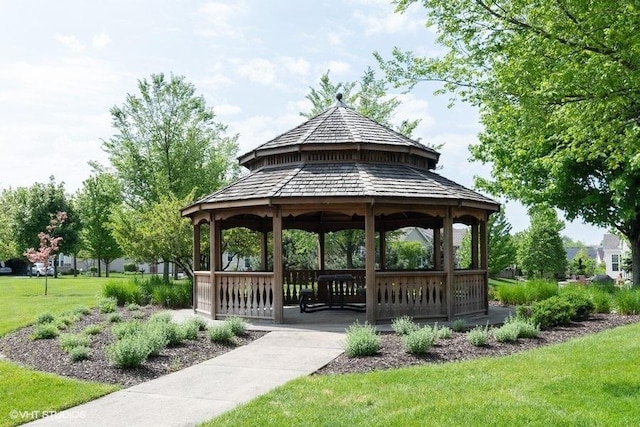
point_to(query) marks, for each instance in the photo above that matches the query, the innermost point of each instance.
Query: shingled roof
(340, 153)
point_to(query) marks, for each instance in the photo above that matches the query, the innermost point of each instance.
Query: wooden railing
(469, 292)
(245, 294)
(295, 280)
(418, 294)
(202, 292)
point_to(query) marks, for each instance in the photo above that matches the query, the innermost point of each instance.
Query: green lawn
(27, 393)
(22, 298)
(592, 381)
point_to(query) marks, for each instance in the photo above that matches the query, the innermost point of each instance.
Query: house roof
(572, 251)
(610, 241)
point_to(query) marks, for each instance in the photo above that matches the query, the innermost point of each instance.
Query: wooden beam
(448, 263)
(370, 264)
(277, 266)
(214, 261)
(474, 246)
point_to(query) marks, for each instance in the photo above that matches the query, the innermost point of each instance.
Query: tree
(407, 255)
(582, 264)
(557, 85)
(540, 252)
(48, 245)
(167, 142)
(502, 250)
(156, 233)
(99, 197)
(33, 210)
(8, 246)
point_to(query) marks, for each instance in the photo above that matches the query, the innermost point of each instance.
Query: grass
(26, 393)
(22, 298)
(586, 381)
(30, 392)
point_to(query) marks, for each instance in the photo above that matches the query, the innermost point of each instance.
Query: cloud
(258, 70)
(383, 20)
(70, 42)
(338, 68)
(101, 40)
(219, 19)
(227, 109)
(413, 108)
(297, 66)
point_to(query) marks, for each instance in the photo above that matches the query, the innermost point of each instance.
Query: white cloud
(227, 109)
(334, 39)
(256, 130)
(338, 68)
(101, 40)
(413, 108)
(219, 19)
(70, 42)
(258, 70)
(296, 66)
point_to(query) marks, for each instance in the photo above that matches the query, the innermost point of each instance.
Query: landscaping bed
(47, 355)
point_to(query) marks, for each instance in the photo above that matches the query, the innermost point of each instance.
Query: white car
(38, 269)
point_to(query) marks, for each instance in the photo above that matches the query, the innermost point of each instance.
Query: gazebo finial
(339, 102)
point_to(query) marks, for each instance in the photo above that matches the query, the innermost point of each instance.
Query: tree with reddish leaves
(48, 245)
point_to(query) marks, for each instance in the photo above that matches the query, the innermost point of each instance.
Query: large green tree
(99, 197)
(168, 142)
(35, 206)
(540, 252)
(8, 246)
(557, 84)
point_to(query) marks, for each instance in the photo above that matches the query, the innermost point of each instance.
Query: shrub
(129, 352)
(114, 317)
(237, 324)
(67, 319)
(138, 315)
(107, 305)
(130, 267)
(221, 334)
(133, 306)
(445, 333)
(92, 330)
(602, 300)
(45, 317)
(509, 332)
(155, 337)
(527, 292)
(162, 317)
(627, 301)
(189, 330)
(202, 324)
(171, 332)
(404, 325)
(172, 295)
(81, 310)
(478, 336)
(123, 292)
(580, 301)
(554, 311)
(79, 353)
(419, 341)
(459, 325)
(69, 341)
(124, 329)
(526, 328)
(361, 340)
(45, 331)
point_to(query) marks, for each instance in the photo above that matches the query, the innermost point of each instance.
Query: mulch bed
(46, 355)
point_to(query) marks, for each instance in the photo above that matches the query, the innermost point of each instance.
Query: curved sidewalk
(206, 390)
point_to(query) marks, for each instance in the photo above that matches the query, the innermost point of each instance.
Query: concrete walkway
(301, 346)
(206, 390)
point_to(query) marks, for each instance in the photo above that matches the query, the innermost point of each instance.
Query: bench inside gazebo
(342, 171)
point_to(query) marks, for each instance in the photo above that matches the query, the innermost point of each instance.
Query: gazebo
(336, 171)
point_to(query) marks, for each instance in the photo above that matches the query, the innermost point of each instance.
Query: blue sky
(65, 64)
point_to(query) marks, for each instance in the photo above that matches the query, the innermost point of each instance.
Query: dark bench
(335, 292)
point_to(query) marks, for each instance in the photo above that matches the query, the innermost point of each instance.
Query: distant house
(425, 237)
(614, 250)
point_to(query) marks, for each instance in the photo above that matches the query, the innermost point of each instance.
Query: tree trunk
(99, 268)
(634, 241)
(106, 268)
(165, 271)
(75, 265)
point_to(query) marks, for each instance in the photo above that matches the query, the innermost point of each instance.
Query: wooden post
(277, 266)
(383, 246)
(214, 261)
(474, 246)
(437, 252)
(484, 261)
(448, 263)
(370, 263)
(264, 250)
(196, 264)
(321, 249)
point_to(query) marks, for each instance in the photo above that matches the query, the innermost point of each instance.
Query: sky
(65, 64)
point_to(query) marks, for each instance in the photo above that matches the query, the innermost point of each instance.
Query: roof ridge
(355, 133)
(369, 188)
(320, 122)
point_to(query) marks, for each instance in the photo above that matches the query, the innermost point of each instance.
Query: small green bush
(172, 295)
(221, 334)
(237, 324)
(445, 333)
(79, 353)
(526, 292)
(202, 324)
(602, 300)
(361, 340)
(580, 301)
(45, 331)
(124, 329)
(81, 310)
(459, 325)
(478, 336)
(419, 341)
(162, 317)
(172, 333)
(138, 315)
(107, 305)
(554, 311)
(130, 268)
(130, 351)
(155, 337)
(114, 317)
(45, 317)
(133, 306)
(509, 332)
(122, 292)
(92, 330)
(404, 325)
(627, 301)
(189, 330)
(69, 341)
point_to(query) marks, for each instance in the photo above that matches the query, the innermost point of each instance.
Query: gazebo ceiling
(341, 157)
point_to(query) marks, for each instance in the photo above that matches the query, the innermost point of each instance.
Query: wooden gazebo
(336, 171)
